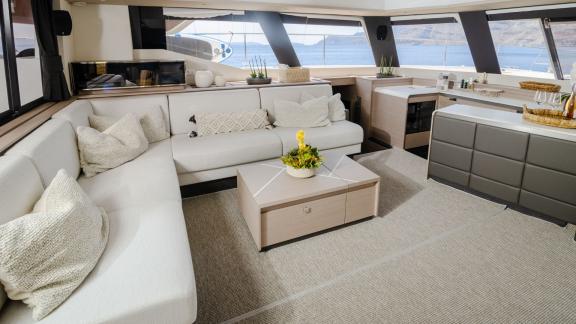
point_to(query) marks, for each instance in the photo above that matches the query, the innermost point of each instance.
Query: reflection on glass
(27, 53)
(521, 48)
(3, 92)
(227, 42)
(434, 45)
(565, 45)
(330, 45)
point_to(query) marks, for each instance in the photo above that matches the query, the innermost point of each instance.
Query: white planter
(204, 79)
(300, 173)
(219, 81)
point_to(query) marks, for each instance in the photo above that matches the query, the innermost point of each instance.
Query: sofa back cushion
(290, 93)
(184, 105)
(137, 105)
(20, 188)
(51, 147)
(76, 113)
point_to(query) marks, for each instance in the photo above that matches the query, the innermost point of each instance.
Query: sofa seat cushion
(151, 177)
(339, 134)
(222, 150)
(145, 274)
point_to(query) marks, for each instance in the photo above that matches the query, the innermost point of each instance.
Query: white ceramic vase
(300, 173)
(219, 81)
(204, 79)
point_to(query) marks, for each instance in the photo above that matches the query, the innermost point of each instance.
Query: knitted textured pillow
(118, 144)
(312, 113)
(218, 123)
(152, 123)
(45, 255)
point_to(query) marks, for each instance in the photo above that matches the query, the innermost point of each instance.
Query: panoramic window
(565, 45)
(521, 48)
(330, 45)
(433, 45)
(232, 43)
(27, 53)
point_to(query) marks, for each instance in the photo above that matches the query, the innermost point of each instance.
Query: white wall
(101, 32)
(3, 94)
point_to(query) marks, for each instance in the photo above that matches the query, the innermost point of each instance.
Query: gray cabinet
(522, 169)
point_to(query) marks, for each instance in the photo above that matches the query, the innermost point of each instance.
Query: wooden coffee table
(278, 207)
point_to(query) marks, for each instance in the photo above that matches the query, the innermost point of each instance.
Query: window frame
(428, 21)
(545, 16)
(15, 107)
(300, 20)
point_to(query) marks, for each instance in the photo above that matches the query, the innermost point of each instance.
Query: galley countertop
(504, 119)
(416, 90)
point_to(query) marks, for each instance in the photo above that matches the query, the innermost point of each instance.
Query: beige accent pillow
(152, 122)
(218, 123)
(45, 255)
(118, 144)
(312, 113)
(336, 108)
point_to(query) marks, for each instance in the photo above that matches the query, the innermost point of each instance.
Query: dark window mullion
(9, 52)
(555, 60)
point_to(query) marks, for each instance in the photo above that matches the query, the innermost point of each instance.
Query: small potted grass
(301, 162)
(258, 72)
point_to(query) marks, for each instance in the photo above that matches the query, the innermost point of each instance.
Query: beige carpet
(436, 255)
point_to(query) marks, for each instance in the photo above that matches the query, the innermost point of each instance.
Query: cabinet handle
(453, 99)
(307, 210)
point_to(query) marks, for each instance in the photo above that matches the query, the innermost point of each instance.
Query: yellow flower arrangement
(304, 156)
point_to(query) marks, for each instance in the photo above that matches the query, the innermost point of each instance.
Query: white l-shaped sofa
(146, 275)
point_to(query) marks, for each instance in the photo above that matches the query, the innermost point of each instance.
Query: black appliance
(93, 76)
(419, 117)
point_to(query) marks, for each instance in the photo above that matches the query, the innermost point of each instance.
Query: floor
(434, 254)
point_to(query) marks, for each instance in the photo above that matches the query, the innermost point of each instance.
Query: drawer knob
(307, 210)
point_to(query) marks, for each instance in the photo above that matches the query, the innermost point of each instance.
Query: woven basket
(295, 74)
(548, 117)
(532, 85)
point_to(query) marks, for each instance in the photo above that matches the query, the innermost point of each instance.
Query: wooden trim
(12, 132)
(341, 81)
(236, 85)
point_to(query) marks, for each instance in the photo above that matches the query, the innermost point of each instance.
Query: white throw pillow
(152, 122)
(312, 113)
(45, 255)
(336, 108)
(118, 144)
(218, 123)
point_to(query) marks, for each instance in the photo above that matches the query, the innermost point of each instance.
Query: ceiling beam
(331, 7)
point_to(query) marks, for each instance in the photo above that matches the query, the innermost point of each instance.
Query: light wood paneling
(342, 81)
(389, 119)
(362, 203)
(12, 132)
(365, 88)
(416, 140)
(286, 223)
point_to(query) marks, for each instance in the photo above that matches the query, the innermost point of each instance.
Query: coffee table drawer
(286, 223)
(361, 203)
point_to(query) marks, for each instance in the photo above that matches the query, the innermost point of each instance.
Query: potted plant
(302, 161)
(258, 72)
(385, 70)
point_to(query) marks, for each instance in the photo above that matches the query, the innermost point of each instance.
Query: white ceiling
(341, 7)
